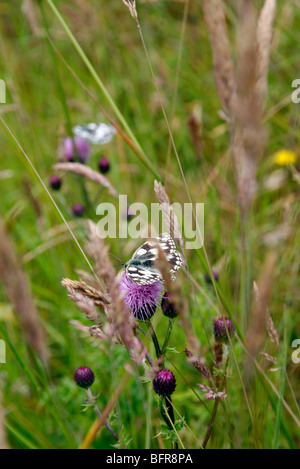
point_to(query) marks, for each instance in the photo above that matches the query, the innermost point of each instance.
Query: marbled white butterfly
(98, 134)
(141, 268)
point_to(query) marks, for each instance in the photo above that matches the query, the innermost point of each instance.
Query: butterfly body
(141, 268)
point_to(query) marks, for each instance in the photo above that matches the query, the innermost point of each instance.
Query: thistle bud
(220, 332)
(167, 307)
(55, 182)
(78, 210)
(164, 383)
(104, 165)
(84, 377)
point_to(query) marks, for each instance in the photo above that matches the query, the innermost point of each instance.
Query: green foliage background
(44, 408)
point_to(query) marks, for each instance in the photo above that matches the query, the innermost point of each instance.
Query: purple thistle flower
(164, 383)
(84, 377)
(142, 300)
(82, 146)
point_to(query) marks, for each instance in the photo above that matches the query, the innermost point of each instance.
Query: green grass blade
(281, 387)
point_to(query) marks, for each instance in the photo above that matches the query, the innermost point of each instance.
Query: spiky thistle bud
(164, 383)
(78, 210)
(167, 307)
(84, 377)
(220, 332)
(55, 182)
(104, 165)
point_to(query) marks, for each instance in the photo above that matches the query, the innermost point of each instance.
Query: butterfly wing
(143, 276)
(104, 133)
(86, 132)
(98, 134)
(168, 245)
(141, 268)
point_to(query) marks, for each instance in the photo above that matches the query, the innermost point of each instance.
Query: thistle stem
(217, 401)
(96, 409)
(211, 423)
(168, 415)
(154, 339)
(166, 411)
(168, 335)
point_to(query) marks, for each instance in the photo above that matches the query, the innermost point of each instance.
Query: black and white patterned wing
(98, 134)
(168, 245)
(141, 268)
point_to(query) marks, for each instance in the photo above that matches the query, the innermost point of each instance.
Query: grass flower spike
(210, 394)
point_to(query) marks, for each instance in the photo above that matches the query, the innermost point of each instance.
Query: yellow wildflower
(285, 158)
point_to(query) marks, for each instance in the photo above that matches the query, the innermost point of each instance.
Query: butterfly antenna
(118, 259)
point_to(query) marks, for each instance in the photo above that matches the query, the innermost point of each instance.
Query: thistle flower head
(142, 300)
(164, 383)
(83, 149)
(84, 377)
(220, 332)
